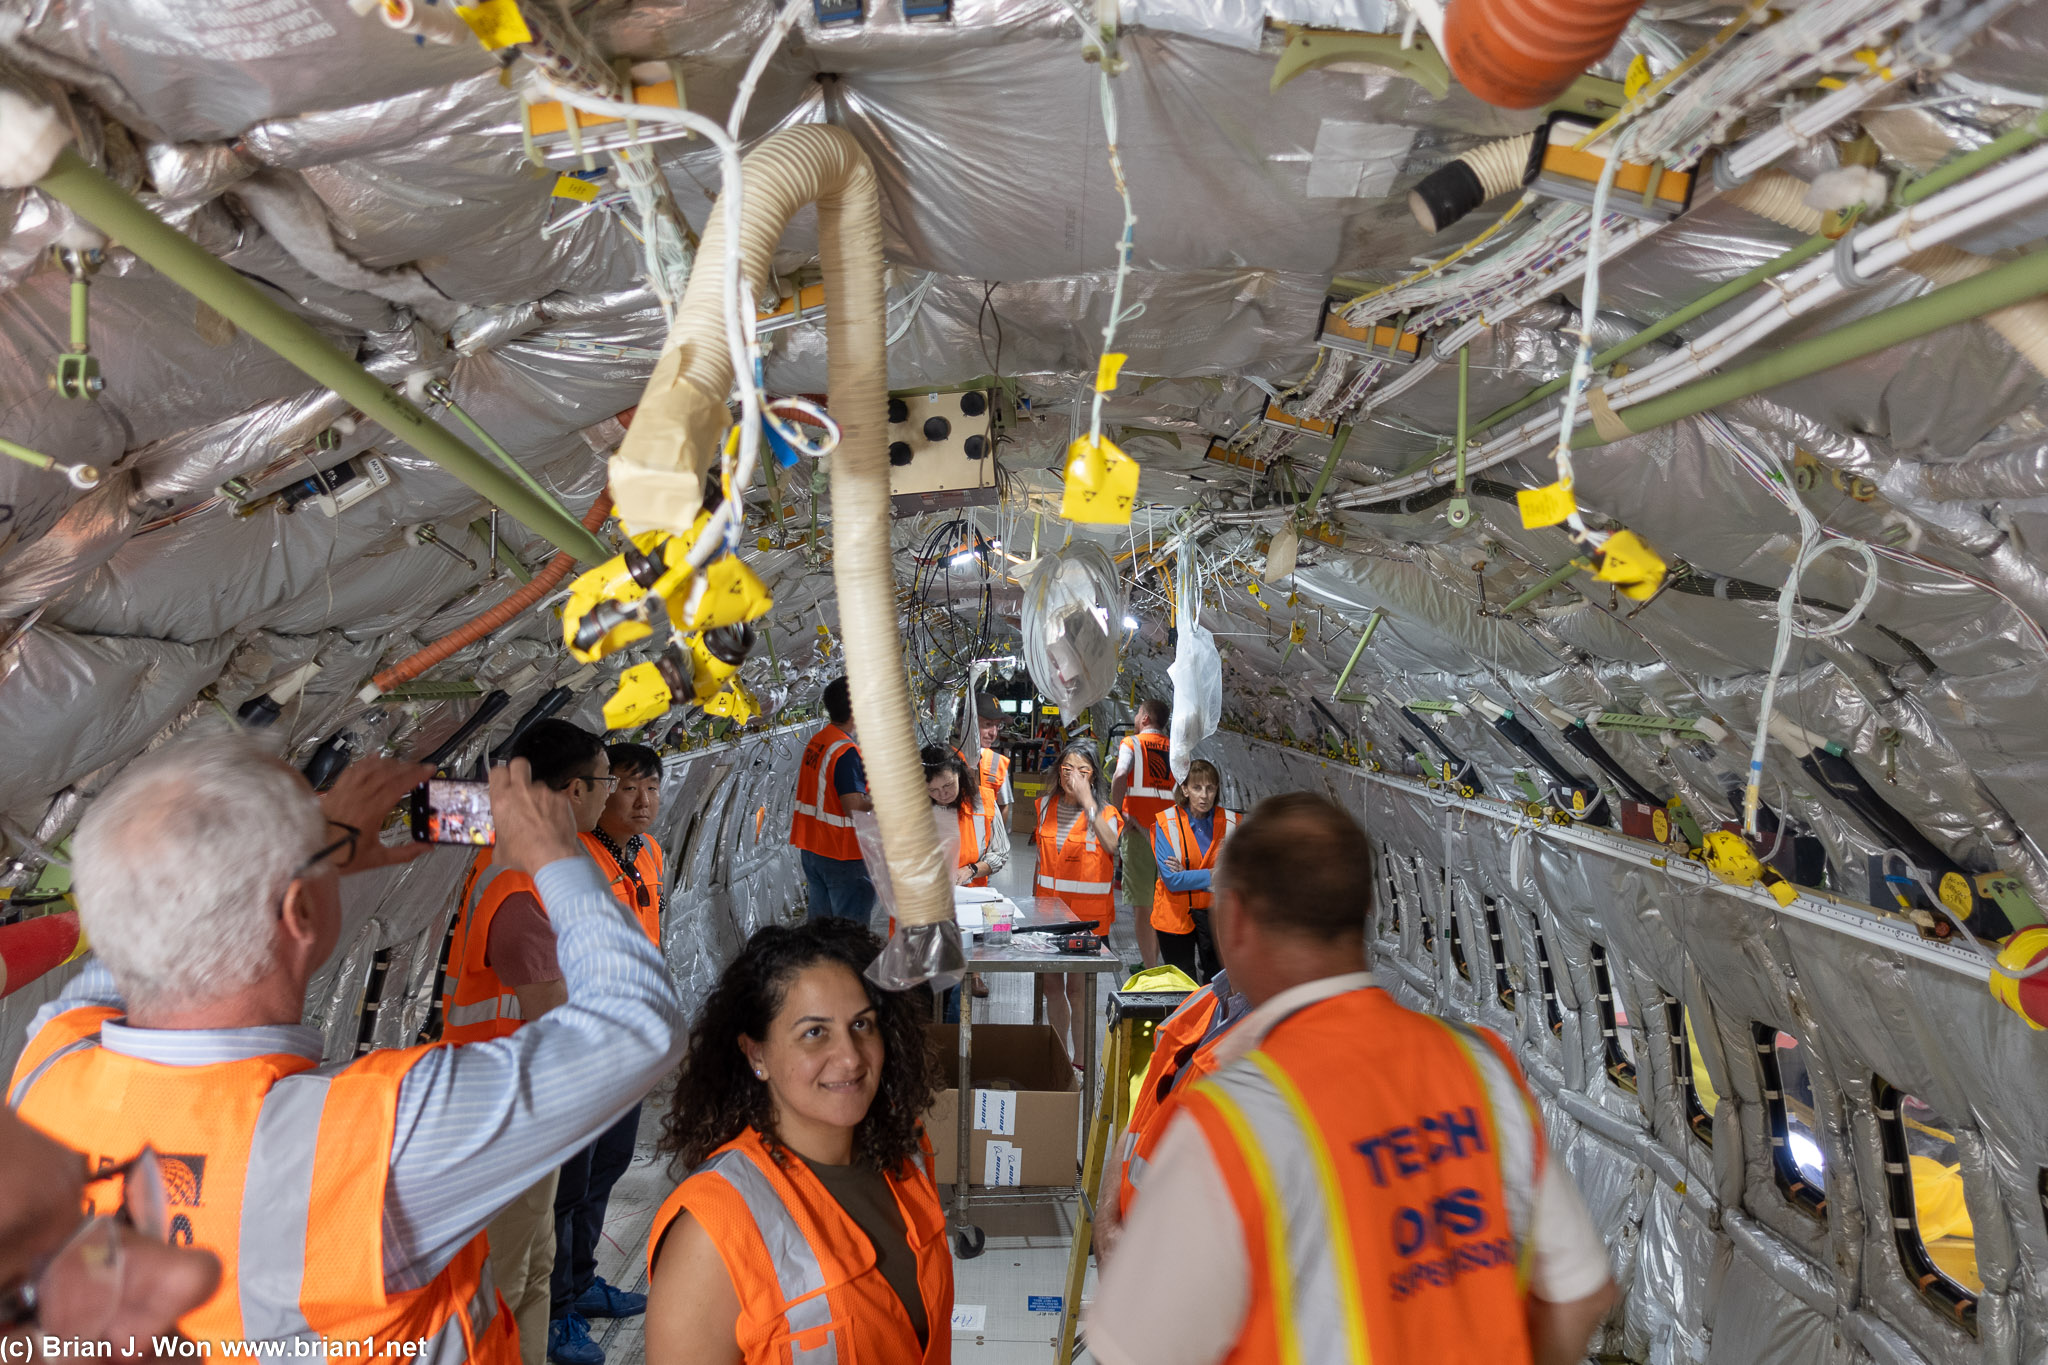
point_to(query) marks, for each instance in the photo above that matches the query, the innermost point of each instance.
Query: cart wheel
(969, 1242)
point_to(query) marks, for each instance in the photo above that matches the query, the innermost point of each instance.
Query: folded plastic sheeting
(1073, 618)
(1197, 675)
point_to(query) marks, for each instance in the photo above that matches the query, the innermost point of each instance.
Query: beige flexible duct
(656, 477)
(1782, 198)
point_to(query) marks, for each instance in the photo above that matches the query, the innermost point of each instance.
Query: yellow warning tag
(1101, 483)
(1638, 76)
(1630, 565)
(1954, 890)
(496, 23)
(573, 187)
(1660, 826)
(1105, 374)
(1298, 633)
(1546, 506)
(1578, 803)
(765, 544)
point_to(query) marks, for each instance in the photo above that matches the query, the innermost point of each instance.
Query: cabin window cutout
(1796, 1155)
(1616, 1039)
(1689, 1069)
(1390, 915)
(1454, 931)
(1503, 988)
(1553, 1013)
(1930, 1221)
(1422, 912)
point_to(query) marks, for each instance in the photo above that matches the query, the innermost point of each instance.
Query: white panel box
(942, 451)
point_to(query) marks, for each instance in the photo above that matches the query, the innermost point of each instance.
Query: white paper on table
(995, 1111)
(970, 1317)
(965, 895)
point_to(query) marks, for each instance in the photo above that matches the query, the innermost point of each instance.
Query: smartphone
(446, 811)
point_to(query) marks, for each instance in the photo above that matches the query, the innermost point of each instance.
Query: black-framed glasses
(348, 841)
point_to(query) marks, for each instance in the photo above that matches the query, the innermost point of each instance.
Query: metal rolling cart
(1033, 954)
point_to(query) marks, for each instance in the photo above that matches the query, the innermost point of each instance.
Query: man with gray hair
(345, 1202)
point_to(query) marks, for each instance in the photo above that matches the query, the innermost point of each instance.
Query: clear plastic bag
(1073, 619)
(1197, 674)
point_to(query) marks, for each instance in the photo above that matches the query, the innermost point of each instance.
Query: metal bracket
(77, 372)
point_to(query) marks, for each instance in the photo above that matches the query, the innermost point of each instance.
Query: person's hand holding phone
(535, 824)
(362, 797)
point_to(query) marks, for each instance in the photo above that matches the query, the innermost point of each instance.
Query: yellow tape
(1105, 374)
(1546, 506)
(496, 23)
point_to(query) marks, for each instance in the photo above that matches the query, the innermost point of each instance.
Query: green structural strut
(115, 212)
(2011, 283)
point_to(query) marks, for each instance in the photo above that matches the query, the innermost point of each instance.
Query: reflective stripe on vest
(797, 1272)
(466, 959)
(504, 1006)
(1313, 1272)
(1514, 1134)
(1050, 836)
(816, 808)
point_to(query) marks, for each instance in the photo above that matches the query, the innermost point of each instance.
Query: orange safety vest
(804, 1273)
(279, 1170)
(976, 832)
(820, 823)
(643, 900)
(995, 770)
(1151, 789)
(1173, 911)
(1075, 867)
(1389, 1221)
(1182, 1054)
(475, 1004)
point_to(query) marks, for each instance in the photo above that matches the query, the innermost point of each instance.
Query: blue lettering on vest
(1401, 1142)
(1459, 1132)
(1430, 1140)
(1411, 1232)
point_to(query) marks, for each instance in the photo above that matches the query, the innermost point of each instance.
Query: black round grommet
(899, 453)
(937, 428)
(899, 411)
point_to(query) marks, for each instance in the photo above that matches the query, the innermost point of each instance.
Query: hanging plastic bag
(1073, 617)
(1197, 674)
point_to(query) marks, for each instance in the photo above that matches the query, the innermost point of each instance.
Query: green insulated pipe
(1996, 288)
(115, 212)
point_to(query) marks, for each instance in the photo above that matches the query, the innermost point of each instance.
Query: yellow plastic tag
(1630, 565)
(1955, 892)
(571, 187)
(1101, 484)
(1106, 373)
(765, 544)
(1546, 506)
(496, 23)
(1638, 76)
(1660, 826)
(1298, 633)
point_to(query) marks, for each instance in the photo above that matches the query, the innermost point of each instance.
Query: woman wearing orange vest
(808, 1227)
(984, 843)
(1077, 837)
(1185, 838)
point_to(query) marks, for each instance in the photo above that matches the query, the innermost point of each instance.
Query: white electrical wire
(1990, 958)
(1123, 254)
(723, 530)
(785, 20)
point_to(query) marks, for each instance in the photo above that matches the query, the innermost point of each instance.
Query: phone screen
(445, 811)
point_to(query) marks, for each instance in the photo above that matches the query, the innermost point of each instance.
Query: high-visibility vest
(820, 823)
(1384, 1165)
(475, 1004)
(277, 1169)
(1183, 1052)
(643, 900)
(1173, 911)
(1151, 789)
(995, 770)
(976, 831)
(803, 1272)
(1075, 866)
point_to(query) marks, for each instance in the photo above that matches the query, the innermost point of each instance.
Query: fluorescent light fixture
(1130, 623)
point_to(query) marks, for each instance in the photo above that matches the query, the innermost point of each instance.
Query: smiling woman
(796, 1120)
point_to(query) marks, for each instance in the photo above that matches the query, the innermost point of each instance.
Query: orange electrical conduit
(1522, 54)
(542, 583)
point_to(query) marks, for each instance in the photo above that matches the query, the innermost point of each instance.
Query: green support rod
(1372, 623)
(1337, 445)
(1996, 288)
(1548, 581)
(116, 213)
(1705, 303)
(504, 456)
(1969, 163)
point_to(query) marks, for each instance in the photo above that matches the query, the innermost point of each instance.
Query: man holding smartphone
(504, 971)
(346, 1202)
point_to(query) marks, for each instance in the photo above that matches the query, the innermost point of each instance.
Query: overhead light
(1130, 623)
(964, 558)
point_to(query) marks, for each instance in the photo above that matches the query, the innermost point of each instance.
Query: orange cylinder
(34, 947)
(1522, 54)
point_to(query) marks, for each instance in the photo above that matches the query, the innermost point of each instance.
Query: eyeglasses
(144, 1206)
(608, 783)
(346, 841)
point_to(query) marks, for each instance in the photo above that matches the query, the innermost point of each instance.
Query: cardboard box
(1024, 807)
(1023, 1082)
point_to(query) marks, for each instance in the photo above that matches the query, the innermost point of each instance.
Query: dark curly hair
(717, 1097)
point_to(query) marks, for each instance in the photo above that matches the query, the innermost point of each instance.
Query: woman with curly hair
(796, 1118)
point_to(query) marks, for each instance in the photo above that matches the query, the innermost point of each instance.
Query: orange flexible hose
(542, 583)
(1521, 54)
